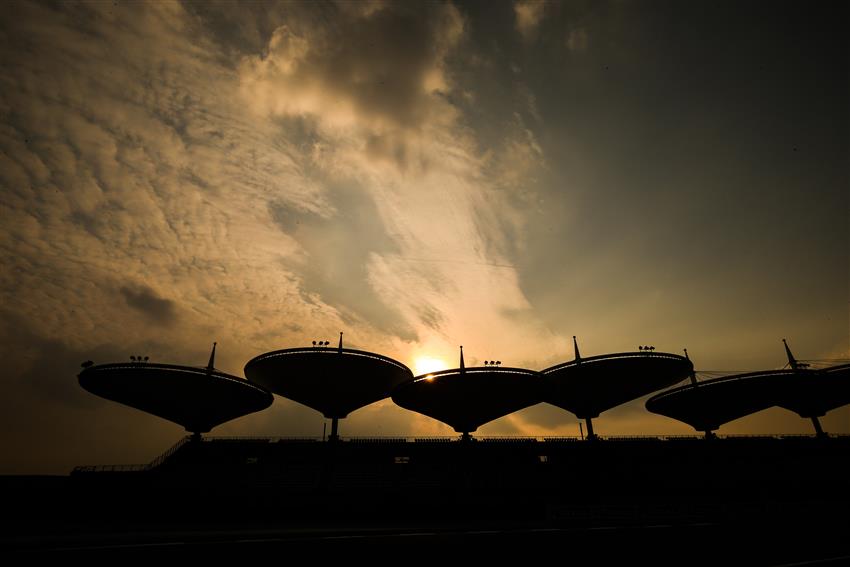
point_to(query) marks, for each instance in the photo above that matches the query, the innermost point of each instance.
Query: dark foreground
(755, 501)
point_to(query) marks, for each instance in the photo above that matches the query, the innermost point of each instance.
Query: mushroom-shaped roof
(334, 381)
(815, 392)
(467, 398)
(589, 386)
(196, 398)
(709, 404)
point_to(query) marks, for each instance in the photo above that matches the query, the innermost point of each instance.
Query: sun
(427, 364)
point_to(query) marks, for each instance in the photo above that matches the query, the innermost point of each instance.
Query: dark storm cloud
(145, 300)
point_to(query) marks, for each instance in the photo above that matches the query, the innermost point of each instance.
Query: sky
(499, 175)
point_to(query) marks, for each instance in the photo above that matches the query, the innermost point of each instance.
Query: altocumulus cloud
(127, 164)
(264, 174)
(209, 176)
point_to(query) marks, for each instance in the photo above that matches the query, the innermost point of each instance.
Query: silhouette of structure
(709, 404)
(818, 392)
(626, 484)
(336, 381)
(589, 386)
(220, 494)
(333, 381)
(467, 398)
(199, 399)
(814, 393)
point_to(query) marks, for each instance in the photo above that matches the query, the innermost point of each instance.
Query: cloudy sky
(419, 175)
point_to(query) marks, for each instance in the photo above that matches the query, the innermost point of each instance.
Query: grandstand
(334, 381)
(467, 398)
(589, 386)
(529, 480)
(743, 495)
(199, 399)
(707, 405)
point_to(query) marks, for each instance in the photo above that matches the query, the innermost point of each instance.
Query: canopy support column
(334, 436)
(818, 429)
(591, 436)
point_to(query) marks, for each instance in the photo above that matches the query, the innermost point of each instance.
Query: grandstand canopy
(467, 398)
(589, 386)
(334, 381)
(709, 404)
(815, 392)
(199, 399)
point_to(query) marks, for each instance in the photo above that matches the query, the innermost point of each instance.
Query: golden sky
(419, 175)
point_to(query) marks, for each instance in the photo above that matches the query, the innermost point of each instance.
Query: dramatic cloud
(324, 183)
(381, 70)
(420, 175)
(374, 92)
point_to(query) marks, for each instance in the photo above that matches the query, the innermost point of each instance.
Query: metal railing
(133, 468)
(454, 439)
(174, 448)
(329, 350)
(722, 380)
(109, 468)
(614, 356)
(520, 439)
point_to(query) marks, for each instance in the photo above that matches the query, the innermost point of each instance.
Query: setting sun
(426, 364)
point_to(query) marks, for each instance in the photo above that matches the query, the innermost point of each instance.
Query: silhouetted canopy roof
(330, 380)
(709, 404)
(470, 398)
(814, 393)
(589, 386)
(196, 398)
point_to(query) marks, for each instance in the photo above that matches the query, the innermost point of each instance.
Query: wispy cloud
(528, 14)
(383, 124)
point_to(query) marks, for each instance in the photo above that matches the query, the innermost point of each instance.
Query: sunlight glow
(426, 364)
